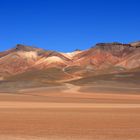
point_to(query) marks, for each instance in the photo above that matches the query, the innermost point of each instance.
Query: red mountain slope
(100, 59)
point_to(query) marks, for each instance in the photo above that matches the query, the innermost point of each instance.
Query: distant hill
(25, 63)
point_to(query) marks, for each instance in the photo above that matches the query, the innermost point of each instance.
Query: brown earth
(64, 114)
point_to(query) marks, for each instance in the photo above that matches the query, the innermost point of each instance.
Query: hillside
(34, 65)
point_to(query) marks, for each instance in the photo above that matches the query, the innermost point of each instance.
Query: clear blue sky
(66, 25)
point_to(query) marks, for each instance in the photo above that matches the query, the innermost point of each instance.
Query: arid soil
(40, 114)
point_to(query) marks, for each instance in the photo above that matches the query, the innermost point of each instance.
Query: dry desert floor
(38, 114)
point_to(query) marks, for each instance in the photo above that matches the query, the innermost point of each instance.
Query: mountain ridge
(103, 58)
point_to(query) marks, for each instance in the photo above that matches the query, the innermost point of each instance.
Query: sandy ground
(69, 115)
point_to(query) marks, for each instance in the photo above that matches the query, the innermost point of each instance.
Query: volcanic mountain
(25, 63)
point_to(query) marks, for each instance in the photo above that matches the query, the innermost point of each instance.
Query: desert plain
(70, 112)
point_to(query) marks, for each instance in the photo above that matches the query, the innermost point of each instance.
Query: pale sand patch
(53, 138)
(71, 88)
(7, 137)
(43, 105)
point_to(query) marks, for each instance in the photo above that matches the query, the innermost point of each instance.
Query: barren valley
(83, 95)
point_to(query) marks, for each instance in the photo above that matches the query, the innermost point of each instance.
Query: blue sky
(66, 25)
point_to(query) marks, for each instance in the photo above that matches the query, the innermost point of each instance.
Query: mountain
(25, 63)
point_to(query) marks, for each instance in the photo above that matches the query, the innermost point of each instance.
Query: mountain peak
(135, 44)
(113, 46)
(77, 50)
(20, 47)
